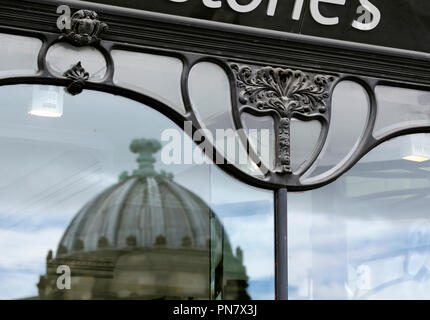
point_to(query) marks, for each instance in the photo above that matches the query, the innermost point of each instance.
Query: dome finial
(146, 148)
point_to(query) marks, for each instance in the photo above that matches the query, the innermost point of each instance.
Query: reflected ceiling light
(418, 150)
(415, 158)
(47, 101)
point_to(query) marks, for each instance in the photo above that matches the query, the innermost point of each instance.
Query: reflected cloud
(146, 233)
(146, 237)
(366, 236)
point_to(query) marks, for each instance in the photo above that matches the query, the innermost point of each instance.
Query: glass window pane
(18, 55)
(247, 214)
(62, 56)
(350, 108)
(367, 235)
(263, 144)
(210, 96)
(154, 75)
(86, 184)
(400, 108)
(304, 139)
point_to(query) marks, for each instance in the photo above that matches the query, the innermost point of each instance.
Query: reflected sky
(51, 167)
(366, 236)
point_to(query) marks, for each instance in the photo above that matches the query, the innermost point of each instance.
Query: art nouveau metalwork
(286, 94)
(283, 76)
(275, 89)
(78, 75)
(85, 28)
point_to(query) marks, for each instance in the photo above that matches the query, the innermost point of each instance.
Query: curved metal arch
(148, 101)
(192, 61)
(280, 178)
(367, 135)
(272, 180)
(107, 85)
(366, 142)
(104, 47)
(239, 46)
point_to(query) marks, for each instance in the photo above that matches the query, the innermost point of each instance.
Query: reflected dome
(139, 212)
(146, 237)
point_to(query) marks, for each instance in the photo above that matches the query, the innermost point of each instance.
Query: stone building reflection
(146, 237)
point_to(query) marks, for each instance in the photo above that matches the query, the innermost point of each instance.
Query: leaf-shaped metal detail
(288, 93)
(78, 74)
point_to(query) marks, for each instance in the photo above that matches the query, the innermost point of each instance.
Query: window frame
(195, 41)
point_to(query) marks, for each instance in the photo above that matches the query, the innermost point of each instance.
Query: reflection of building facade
(79, 85)
(146, 237)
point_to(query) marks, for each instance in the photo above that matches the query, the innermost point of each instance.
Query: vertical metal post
(281, 245)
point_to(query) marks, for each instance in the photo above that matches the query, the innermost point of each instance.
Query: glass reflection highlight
(126, 230)
(366, 236)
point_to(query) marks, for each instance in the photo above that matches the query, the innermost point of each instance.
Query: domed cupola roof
(144, 210)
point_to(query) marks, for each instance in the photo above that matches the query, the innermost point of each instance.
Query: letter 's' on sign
(369, 18)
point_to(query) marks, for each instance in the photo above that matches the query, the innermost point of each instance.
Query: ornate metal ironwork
(79, 76)
(85, 28)
(288, 93)
(387, 67)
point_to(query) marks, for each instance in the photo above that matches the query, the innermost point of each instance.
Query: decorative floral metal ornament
(286, 94)
(78, 74)
(85, 28)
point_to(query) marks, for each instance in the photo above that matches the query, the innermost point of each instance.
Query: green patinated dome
(144, 209)
(146, 237)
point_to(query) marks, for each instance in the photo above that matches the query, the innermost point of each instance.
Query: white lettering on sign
(298, 8)
(318, 17)
(369, 12)
(242, 8)
(369, 18)
(212, 3)
(64, 21)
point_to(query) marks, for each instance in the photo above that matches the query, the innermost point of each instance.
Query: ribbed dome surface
(139, 212)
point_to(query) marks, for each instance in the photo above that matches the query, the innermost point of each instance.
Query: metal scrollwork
(79, 76)
(85, 28)
(288, 94)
